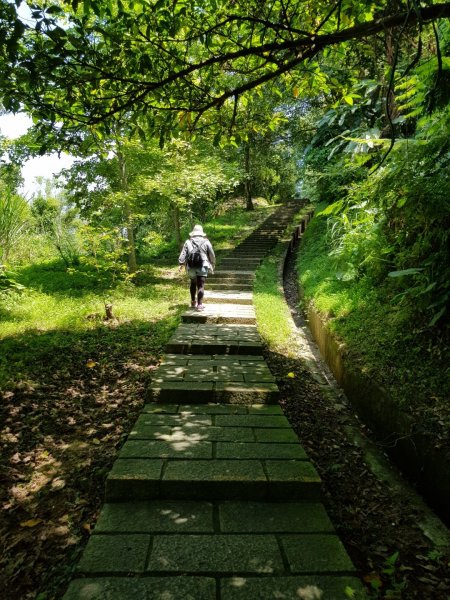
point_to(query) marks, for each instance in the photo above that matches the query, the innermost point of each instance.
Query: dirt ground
(60, 432)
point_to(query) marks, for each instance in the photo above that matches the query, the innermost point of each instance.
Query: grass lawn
(72, 385)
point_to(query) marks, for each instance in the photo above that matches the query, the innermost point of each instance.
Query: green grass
(270, 305)
(380, 335)
(274, 319)
(41, 328)
(54, 302)
(62, 308)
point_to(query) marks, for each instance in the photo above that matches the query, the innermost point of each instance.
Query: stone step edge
(213, 479)
(215, 392)
(232, 287)
(216, 299)
(204, 587)
(202, 317)
(200, 517)
(225, 348)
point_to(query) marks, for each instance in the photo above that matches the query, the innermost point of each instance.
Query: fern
(421, 92)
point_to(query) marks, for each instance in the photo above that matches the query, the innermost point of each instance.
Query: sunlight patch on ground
(238, 582)
(180, 440)
(176, 517)
(310, 592)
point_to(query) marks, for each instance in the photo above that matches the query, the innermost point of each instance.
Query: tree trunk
(109, 312)
(132, 262)
(176, 222)
(390, 41)
(247, 178)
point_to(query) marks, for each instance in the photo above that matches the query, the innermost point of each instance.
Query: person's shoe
(193, 304)
(200, 307)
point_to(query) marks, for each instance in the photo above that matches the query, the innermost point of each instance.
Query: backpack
(194, 257)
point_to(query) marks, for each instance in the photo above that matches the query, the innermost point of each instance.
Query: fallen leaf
(90, 364)
(31, 523)
(373, 580)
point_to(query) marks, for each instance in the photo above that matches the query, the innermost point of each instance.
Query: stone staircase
(212, 497)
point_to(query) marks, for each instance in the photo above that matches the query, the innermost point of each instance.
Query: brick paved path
(212, 496)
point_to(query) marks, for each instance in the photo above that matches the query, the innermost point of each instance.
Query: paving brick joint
(212, 496)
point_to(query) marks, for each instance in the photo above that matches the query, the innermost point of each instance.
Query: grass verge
(380, 524)
(274, 322)
(381, 337)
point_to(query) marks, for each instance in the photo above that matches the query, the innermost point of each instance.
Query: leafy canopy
(166, 64)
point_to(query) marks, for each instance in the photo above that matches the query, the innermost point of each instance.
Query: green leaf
(332, 209)
(437, 316)
(405, 272)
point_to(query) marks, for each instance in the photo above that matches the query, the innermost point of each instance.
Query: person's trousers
(197, 288)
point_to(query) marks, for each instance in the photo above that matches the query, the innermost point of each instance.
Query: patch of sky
(48, 166)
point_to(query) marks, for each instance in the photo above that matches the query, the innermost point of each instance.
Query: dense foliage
(164, 65)
(389, 211)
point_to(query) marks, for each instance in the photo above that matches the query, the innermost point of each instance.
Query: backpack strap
(197, 245)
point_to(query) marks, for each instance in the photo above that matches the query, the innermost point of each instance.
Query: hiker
(199, 259)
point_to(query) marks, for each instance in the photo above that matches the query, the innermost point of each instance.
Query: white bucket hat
(198, 230)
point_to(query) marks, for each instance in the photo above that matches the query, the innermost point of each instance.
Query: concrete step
(257, 244)
(192, 453)
(229, 392)
(204, 587)
(156, 517)
(260, 235)
(244, 264)
(238, 268)
(221, 313)
(247, 253)
(232, 285)
(243, 256)
(230, 275)
(260, 238)
(233, 276)
(187, 550)
(192, 338)
(228, 297)
(266, 249)
(205, 378)
(235, 279)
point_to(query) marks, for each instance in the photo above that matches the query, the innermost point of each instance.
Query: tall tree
(132, 183)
